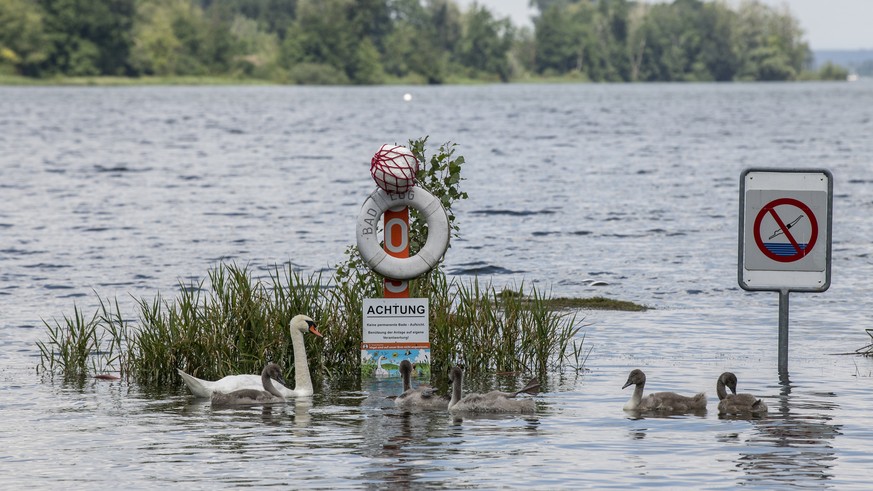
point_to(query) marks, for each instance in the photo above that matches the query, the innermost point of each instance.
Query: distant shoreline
(107, 81)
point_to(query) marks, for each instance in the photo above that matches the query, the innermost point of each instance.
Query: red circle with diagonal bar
(799, 252)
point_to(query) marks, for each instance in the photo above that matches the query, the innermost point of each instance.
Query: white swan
(303, 382)
(660, 401)
(251, 397)
(381, 372)
(736, 403)
(490, 402)
(423, 397)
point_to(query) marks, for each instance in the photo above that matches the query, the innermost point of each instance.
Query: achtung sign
(785, 229)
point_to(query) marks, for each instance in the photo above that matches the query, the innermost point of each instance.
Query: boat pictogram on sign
(784, 245)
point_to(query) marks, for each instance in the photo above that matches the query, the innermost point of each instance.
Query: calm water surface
(127, 191)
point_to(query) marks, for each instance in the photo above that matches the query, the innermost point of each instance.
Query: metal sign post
(785, 236)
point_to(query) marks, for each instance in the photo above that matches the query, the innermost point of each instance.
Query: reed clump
(233, 322)
(78, 346)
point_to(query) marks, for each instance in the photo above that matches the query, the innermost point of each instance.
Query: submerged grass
(595, 303)
(77, 347)
(232, 322)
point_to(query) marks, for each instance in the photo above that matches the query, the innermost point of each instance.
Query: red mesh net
(394, 168)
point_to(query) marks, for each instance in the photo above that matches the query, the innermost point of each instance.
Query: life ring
(434, 248)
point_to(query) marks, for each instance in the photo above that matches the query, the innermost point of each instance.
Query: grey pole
(783, 332)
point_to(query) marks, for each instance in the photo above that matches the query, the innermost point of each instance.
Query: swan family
(495, 401)
(659, 401)
(299, 325)
(270, 387)
(671, 402)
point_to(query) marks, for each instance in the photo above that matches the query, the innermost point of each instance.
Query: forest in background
(404, 41)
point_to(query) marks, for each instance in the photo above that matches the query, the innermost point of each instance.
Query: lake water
(127, 191)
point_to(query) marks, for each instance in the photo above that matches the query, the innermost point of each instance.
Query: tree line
(411, 41)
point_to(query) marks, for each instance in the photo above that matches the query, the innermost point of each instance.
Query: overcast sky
(829, 24)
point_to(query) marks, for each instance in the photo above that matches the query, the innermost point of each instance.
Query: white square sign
(395, 329)
(395, 320)
(785, 229)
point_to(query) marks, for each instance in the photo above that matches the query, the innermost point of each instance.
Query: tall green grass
(78, 346)
(233, 322)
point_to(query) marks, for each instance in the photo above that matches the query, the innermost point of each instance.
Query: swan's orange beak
(313, 329)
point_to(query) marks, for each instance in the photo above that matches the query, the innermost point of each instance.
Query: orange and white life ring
(434, 248)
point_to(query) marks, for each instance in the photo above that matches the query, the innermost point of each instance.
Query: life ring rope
(430, 208)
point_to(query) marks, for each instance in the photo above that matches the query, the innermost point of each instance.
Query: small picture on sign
(384, 363)
(784, 230)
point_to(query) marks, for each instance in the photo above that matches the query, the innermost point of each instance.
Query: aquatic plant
(866, 350)
(77, 346)
(507, 330)
(596, 303)
(232, 323)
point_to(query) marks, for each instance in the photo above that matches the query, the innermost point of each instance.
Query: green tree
(612, 31)
(556, 37)
(485, 43)
(366, 65)
(770, 43)
(271, 16)
(717, 49)
(258, 50)
(89, 37)
(321, 35)
(417, 45)
(831, 71)
(663, 56)
(176, 37)
(24, 45)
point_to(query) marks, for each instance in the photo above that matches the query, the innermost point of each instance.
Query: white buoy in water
(407, 97)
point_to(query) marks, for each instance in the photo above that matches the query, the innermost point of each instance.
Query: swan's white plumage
(303, 380)
(380, 370)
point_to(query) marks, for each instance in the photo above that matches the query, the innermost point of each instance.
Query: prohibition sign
(799, 252)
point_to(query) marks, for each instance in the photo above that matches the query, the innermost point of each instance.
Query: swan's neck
(719, 389)
(456, 390)
(302, 379)
(636, 398)
(269, 387)
(406, 383)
